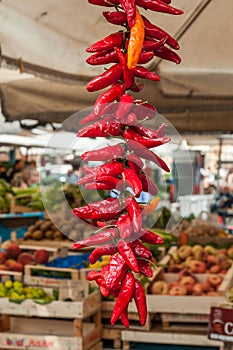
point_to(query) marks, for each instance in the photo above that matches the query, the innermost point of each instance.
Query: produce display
(200, 228)
(16, 291)
(46, 230)
(121, 221)
(188, 284)
(198, 259)
(13, 259)
(5, 191)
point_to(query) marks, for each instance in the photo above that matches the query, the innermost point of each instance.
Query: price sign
(221, 324)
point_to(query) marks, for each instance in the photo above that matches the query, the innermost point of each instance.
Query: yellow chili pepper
(136, 39)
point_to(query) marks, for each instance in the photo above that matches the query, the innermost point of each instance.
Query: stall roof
(48, 40)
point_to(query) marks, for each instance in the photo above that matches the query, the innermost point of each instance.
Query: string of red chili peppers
(120, 220)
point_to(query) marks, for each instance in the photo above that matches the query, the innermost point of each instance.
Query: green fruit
(8, 284)
(17, 285)
(29, 296)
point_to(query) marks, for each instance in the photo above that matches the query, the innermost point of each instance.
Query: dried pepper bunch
(120, 221)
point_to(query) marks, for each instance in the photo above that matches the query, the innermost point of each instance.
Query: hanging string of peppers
(119, 221)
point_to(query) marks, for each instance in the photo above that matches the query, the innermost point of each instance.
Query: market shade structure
(49, 40)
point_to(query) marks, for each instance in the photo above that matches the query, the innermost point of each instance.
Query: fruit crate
(189, 304)
(10, 275)
(197, 323)
(35, 275)
(38, 333)
(157, 336)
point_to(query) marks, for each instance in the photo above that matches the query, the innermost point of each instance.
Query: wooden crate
(17, 208)
(114, 334)
(56, 309)
(160, 337)
(188, 304)
(40, 333)
(196, 323)
(6, 275)
(34, 280)
(46, 243)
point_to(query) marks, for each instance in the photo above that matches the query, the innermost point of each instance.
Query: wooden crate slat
(38, 333)
(166, 338)
(30, 279)
(55, 309)
(9, 340)
(6, 275)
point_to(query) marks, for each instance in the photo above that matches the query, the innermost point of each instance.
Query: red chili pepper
(125, 317)
(153, 31)
(130, 10)
(96, 276)
(144, 268)
(134, 213)
(103, 237)
(129, 119)
(151, 237)
(111, 181)
(105, 153)
(109, 77)
(100, 251)
(140, 301)
(133, 181)
(107, 110)
(128, 75)
(140, 250)
(106, 3)
(103, 57)
(134, 162)
(109, 169)
(117, 269)
(126, 251)
(150, 133)
(167, 54)
(144, 73)
(107, 43)
(105, 223)
(143, 110)
(148, 184)
(101, 129)
(124, 226)
(124, 106)
(125, 295)
(159, 6)
(93, 275)
(145, 153)
(130, 134)
(115, 92)
(103, 209)
(145, 57)
(116, 17)
(149, 44)
(99, 186)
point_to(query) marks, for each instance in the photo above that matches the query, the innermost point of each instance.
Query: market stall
(120, 243)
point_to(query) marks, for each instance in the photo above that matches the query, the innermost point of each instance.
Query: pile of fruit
(200, 228)
(16, 290)
(188, 284)
(198, 259)
(13, 259)
(46, 230)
